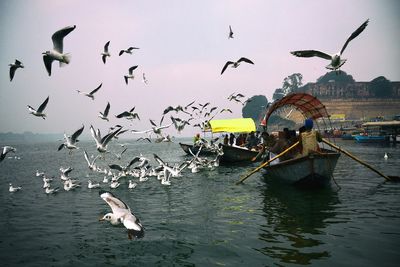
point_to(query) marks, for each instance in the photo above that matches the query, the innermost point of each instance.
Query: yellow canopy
(242, 125)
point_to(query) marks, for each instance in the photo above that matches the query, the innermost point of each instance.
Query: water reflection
(295, 223)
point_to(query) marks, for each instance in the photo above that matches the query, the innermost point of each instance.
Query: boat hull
(195, 149)
(237, 154)
(314, 170)
(371, 139)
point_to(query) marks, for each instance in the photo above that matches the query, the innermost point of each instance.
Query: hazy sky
(183, 47)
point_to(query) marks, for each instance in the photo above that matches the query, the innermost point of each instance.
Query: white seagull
(104, 115)
(336, 61)
(91, 164)
(13, 189)
(14, 67)
(128, 51)
(236, 64)
(91, 94)
(5, 151)
(101, 143)
(70, 141)
(130, 75)
(144, 80)
(132, 184)
(91, 185)
(105, 53)
(39, 112)
(121, 213)
(49, 190)
(57, 52)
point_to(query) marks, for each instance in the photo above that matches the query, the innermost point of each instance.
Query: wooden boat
(195, 149)
(313, 170)
(371, 138)
(237, 154)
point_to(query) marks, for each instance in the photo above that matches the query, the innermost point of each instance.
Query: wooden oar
(389, 178)
(266, 163)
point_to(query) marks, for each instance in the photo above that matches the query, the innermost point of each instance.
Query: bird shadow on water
(295, 220)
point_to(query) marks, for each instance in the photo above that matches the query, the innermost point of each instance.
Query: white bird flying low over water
(5, 151)
(130, 75)
(101, 143)
(57, 52)
(128, 51)
(91, 94)
(336, 61)
(14, 67)
(39, 112)
(70, 141)
(104, 115)
(121, 213)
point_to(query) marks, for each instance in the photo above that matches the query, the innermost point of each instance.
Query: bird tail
(66, 60)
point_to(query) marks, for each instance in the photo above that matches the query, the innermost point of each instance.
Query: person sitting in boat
(196, 139)
(267, 141)
(251, 141)
(231, 139)
(281, 145)
(309, 139)
(226, 139)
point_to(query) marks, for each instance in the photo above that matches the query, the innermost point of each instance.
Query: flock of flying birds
(139, 167)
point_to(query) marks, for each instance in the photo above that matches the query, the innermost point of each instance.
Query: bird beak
(101, 219)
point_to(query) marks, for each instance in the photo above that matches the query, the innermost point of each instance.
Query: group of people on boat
(308, 143)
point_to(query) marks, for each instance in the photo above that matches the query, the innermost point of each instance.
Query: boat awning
(306, 104)
(242, 125)
(382, 123)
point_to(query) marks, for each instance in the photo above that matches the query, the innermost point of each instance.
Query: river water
(202, 219)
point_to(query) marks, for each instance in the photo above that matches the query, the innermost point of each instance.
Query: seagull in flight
(57, 52)
(101, 143)
(105, 53)
(130, 75)
(70, 141)
(129, 115)
(236, 64)
(104, 115)
(91, 164)
(121, 213)
(230, 36)
(336, 61)
(39, 112)
(128, 51)
(91, 94)
(13, 67)
(5, 151)
(144, 80)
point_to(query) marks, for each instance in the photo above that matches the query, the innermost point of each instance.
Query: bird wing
(130, 49)
(131, 69)
(58, 37)
(121, 52)
(245, 60)
(94, 134)
(133, 161)
(225, 66)
(115, 167)
(43, 105)
(106, 47)
(109, 136)
(159, 160)
(76, 134)
(61, 147)
(47, 63)
(86, 157)
(107, 109)
(132, 223)
(123, 114)
(153, 123)
(12, 72)
(103, 58)
(311, 53)
(95, 90)
(115, 203)
(355, 34)
(139, 132)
